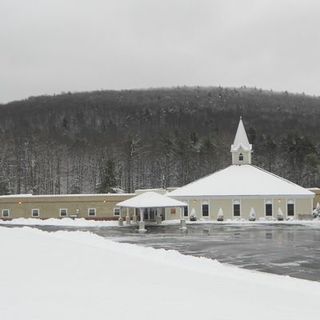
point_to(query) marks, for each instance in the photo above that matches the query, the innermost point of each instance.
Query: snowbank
(64, 222)
(80, 222)
(312, 223)
(78, 275)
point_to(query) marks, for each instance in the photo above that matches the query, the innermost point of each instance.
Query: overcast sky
(50, 46)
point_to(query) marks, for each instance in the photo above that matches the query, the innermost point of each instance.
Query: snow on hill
(78, 275)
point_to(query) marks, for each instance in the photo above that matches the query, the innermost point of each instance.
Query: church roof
(150, 200)
(241, 180)
(241, 139)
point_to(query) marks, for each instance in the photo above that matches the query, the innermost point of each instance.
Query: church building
(244, 191)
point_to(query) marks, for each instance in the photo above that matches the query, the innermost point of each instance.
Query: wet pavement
(292, 250)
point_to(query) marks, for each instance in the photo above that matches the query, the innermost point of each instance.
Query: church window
(240, 157)
(205, 209)
(91, 212)
(35, 212)
(63, 212)
(290, 208)
(268, 208)
(116, 212)
(5, 213)
(236, 208)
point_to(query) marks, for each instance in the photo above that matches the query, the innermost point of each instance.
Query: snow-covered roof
(241, 180)
(241, 139)
(27, 195)
(315, 190)
(150, 200)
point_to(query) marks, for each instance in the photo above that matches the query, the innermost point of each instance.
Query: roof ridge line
(275, 175)
(209, 174)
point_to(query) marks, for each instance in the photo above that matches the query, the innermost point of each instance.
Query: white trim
(92, 215)
(66, 209)
(32, 214)
(117, 208)
(268, 201)
(236, 201)
(257, 196)
(291, 201)
(205, 202)
(9, 213)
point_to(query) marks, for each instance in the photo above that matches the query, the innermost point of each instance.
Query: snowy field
(79, 275)
(64, 222)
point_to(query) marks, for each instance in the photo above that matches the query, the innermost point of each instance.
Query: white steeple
(241, 148)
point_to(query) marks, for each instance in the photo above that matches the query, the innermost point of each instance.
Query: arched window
(240, 157)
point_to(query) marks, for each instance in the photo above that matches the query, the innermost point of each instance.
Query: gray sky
(50, 46)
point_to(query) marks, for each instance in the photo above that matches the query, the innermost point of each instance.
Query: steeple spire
(241, 148)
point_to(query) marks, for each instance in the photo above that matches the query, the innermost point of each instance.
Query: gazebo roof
(151, 200)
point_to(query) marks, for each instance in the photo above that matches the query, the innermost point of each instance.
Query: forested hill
(92, 141)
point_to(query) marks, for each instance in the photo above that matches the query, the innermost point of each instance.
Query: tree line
(105, 141)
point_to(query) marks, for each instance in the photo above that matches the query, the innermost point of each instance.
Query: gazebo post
(120, 221)
(141, 222)
(183, 225)
(158, 216)
(134, 217)
(128, 216)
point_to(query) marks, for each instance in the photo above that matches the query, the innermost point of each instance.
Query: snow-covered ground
(79, 275)
(65, 222)
(68, 222)
(313, 222)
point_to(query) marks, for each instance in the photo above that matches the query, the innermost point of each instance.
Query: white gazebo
(151, 200)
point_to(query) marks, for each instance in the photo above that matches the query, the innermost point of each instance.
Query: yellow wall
(303, 207)
(225, 205)
(21, 206)
(316, 199)
(173, 213)
(49, 206)
(256, 204)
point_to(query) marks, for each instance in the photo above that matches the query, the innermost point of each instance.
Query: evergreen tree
(108, 179)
